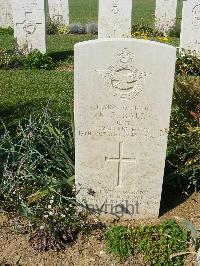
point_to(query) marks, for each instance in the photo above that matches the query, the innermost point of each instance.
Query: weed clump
(156, 243)
(37, 181)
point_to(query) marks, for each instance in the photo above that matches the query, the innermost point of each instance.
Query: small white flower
(50, 213)
(63, 215)
(49, 206)
(51, 201)
(46, 216)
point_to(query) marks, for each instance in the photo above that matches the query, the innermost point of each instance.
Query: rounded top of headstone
(125, 40)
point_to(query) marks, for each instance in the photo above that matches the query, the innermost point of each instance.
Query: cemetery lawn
(143, 10)
(60, 45)
(28, 91)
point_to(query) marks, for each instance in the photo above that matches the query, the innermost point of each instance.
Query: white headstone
(190, 27)
(123, 95)
(5, 14)
(59, 11)
(30, 24)
(114, 18)
(165, 15)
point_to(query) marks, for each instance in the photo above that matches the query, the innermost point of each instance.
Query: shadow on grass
(62, 56)
(10, 115)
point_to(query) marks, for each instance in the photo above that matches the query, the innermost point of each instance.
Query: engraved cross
(28, 24)
(120, 160)
(58, 17)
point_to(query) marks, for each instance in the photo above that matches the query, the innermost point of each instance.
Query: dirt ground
(88, 250)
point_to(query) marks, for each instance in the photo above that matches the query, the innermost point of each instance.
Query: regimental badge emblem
(123, 77)
(196, 12)
(29, 26)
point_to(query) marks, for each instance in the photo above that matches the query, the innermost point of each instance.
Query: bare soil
(88, 250)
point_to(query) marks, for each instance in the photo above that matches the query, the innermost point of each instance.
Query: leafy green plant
(118, 241)
(37, 60)
(52, 26)
(6, 31)
(183, 154)
(9, 59)
(62, 29)
(175, 31)
(139, 30)
(156, 243)
(37, 179)
(188, 65)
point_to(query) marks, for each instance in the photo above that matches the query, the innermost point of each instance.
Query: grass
(22, 92)
(89, 10)
(26, 91)
(61, 47)
(6, 41)
(86, 11)
(143, 11)
(55, 43)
